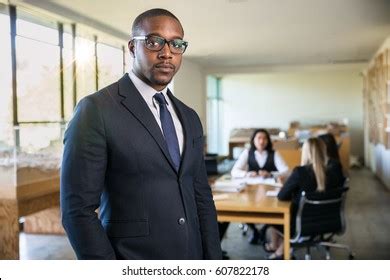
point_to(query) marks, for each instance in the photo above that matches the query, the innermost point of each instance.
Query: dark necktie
(169, 130)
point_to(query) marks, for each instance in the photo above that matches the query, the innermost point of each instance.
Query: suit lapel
(137, 106)
(186, 126)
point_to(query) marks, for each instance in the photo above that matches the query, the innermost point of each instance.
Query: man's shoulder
(191, 112)
(187, 109)
(102, 96)
(181, 103)
(107, 91)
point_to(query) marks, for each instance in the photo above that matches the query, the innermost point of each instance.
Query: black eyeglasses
(156, 43)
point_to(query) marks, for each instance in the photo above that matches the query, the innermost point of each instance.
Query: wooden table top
(252, 199)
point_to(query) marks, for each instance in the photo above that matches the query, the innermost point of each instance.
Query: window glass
(110, 62)
(38, 82)
(6, 122)
(36, 31)
(86, 67)
(68, 76)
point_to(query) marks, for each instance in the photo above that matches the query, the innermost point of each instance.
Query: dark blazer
(303, 178)
(115, 158)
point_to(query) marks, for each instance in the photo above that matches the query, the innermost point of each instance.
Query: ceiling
(251, 33)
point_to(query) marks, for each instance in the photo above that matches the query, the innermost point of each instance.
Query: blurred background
(297, 68)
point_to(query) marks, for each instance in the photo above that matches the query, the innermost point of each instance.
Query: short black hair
(137, 24)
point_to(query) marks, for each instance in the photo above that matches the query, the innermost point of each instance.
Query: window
(68, 75)
(38, 76)
(36, 31)
(214, 124)
(110, 63)
(86, 67)
(38, 81)
(6, 123)
(38, 73)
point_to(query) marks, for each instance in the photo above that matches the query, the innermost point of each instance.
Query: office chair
(211, 162)
(320, 217)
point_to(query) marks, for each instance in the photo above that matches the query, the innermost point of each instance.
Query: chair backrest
(320, 213)
(211, 162)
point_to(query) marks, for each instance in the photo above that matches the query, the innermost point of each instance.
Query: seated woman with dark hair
(317, 173)
(332, 149)
(259, 160)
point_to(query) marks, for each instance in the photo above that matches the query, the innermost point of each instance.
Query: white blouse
(240, 168)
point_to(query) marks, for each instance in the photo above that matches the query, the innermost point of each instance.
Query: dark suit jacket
(115, 157)
(303, 178)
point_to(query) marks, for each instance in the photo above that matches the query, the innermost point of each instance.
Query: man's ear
(131, 48)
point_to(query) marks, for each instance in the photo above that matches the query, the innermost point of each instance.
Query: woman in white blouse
(259, 160)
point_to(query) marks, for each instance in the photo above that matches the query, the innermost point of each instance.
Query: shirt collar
(262, 153)
(145, 90)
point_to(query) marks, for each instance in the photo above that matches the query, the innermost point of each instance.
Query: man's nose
(165, 52)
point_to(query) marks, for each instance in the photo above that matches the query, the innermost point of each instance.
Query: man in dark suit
(136, 151)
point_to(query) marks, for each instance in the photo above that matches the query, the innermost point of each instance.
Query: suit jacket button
(181, 221)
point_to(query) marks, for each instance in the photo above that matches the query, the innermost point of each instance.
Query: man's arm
(207, 213)
(82, 182)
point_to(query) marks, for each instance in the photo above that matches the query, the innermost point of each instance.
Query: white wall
(189, 86)
(276, 99)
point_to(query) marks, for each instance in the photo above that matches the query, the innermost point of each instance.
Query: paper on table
(220, 196)
(226, 184)
(224, 187)
(229, 184)
(272, 193)
(260, 180)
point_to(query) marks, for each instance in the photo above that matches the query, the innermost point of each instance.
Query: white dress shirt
(147, 92)
(240, 168)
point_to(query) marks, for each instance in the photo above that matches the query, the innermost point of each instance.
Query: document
(272, 193)
(261, 180)
(228, 184)
(221, 196)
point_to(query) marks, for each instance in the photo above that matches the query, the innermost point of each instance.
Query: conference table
(252, 205)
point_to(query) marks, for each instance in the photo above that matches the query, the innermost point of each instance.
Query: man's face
(157, 68)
